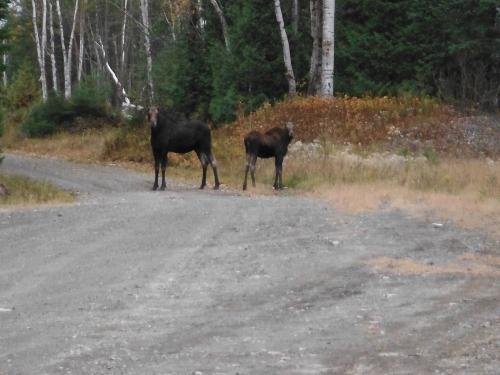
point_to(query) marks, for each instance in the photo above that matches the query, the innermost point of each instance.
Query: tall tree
(52, 51)
(316, 10)
(4, 6)
(41, 44)
(290, 76)
(328, 48)
(223, 22)
(147, 47)
(67, 52)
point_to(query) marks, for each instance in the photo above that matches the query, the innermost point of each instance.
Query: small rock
(437, 225)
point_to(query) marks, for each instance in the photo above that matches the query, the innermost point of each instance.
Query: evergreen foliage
(444, 48)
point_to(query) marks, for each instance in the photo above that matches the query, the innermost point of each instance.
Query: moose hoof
(216, 187)
(163, 187)
(202, 187)
(155, 187)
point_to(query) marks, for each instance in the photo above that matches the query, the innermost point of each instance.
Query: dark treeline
(213, 58)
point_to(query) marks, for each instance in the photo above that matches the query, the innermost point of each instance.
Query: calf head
(153, 117)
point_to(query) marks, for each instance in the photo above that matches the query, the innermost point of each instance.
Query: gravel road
(129, 281)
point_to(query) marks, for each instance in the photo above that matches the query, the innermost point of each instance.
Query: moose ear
(289, 127)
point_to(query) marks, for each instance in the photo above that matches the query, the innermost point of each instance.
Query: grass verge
(26, 192)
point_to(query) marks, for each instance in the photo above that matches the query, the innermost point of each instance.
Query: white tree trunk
(82, 43)
(328, 48)
(41, 45)
(4, 73)
(316, 32)
(147, 47)
(223, 22)
(295, 16)
(67, 53)
(114, 77)
(52, 52)
(124, 30)
(292, 90)
(201, 20)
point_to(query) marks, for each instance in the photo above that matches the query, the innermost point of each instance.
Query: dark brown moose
(172, 133)
(272, 144)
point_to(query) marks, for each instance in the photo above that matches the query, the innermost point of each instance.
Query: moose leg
(213, 163)
(278, 163)
(163, 169)
(157, 170)
(252, 168)
(247, 168)
(204, 163)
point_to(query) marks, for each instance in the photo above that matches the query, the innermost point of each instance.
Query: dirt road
(129, 281)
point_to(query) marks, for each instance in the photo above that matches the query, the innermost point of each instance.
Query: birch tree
(4, 73)
(222, 19)
(316, 33)
(292, 90)
(41, 45)
(124, 30)
(147, 47)
(327, 47)
(52, 51)
(295, 16)
(81, 42)
(67, 52)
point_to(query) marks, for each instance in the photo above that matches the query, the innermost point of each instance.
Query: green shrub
(1, 123)
(23, 91)
(89, 99)
(46, 118)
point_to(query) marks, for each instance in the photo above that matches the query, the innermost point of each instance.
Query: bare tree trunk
(201, 20)
(67, 53)
(292, 90)
(114, 77)
(295, 16)
(82, 43)
(4, 73)
(41, 45)
(328, 48)
(124, 29)
(223, 22)
(147, 46)
(55, 85)
(316, 32)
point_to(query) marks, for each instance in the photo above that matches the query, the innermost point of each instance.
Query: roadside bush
(89, 99)
(88, 102)
(23, 91)
(1, 123)
(46, 118)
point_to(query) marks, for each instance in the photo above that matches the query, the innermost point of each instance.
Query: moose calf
(171, 133)
(273, 143)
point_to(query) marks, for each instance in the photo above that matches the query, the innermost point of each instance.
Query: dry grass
(26, 192)
(466, 264)
(464, 190)
(84, 146)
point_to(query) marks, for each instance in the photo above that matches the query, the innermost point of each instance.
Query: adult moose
(171, 133)
(273, 143)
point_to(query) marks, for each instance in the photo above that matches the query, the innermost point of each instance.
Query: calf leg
(164, 160)
(253, 161)
(213, 163)
(247, 168)
(278, 163)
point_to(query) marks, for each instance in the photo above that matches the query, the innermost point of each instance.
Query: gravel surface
(129, 281)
